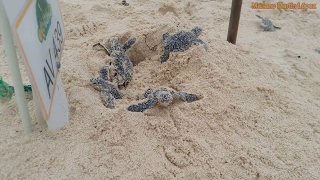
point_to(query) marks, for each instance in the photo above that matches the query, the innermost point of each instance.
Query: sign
(39, 35)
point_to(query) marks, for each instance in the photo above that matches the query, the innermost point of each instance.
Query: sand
(259, 117)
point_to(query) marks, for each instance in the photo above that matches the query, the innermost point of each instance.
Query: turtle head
(120, 79)
(197, 31)
(115, 44)
(97, 83)
(148, 92)
(104, 73)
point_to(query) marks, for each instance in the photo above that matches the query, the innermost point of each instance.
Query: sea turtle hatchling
(162, 96)
(180, 42)
(109, 92)
(267, 25)
(121, 62)
(124, 2)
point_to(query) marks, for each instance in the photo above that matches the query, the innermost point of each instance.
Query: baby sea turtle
(180, 42)
(109, 92)
(162, 96)
(317, 50)
(121, 62)
(267, 25)
(124, 2)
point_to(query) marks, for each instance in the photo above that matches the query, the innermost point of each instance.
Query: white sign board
(39, 35)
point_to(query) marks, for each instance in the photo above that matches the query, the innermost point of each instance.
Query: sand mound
(258, 118)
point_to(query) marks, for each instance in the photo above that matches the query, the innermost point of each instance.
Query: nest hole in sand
(149, 42)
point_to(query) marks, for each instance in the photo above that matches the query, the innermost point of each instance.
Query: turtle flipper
(127, 45)
(199, 41)
(164, 57)
(165, 36)
(102, 85)
(187, 97)
(140, 107)
(104, 73)
(104, 47)
(276, 27)
(259, 16)
(113, 90)
(107, 99)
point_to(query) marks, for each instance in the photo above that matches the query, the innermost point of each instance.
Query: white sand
(259, 118)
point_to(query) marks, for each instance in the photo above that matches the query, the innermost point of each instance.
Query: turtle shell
(178, 42)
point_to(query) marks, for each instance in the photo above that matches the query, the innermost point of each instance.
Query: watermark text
(282, 5)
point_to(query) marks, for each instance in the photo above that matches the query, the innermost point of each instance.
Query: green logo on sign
(44, 15)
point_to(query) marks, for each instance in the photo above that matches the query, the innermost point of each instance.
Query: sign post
(39, 35)
(234, 21)
(37, 109)
(14, 69)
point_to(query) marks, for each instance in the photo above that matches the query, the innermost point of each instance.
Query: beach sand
(259, 117)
